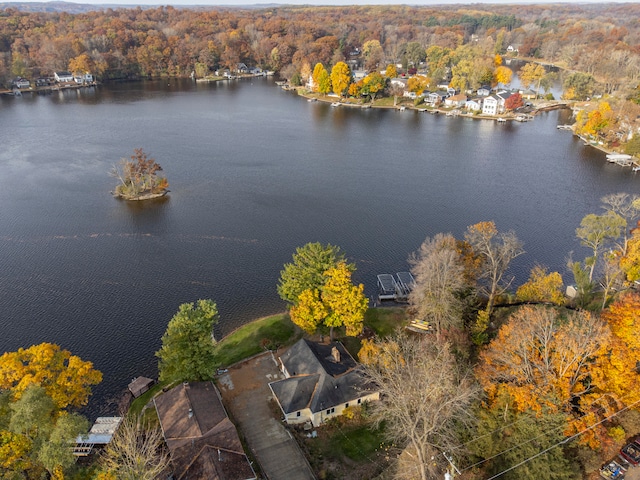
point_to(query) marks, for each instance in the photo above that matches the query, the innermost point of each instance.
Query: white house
(473, 104)
(62, 77)
(21, 83)
(456, 100)
(484, 91)
(490, 105)
(322, 380)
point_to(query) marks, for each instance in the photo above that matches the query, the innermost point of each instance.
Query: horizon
(336, 3)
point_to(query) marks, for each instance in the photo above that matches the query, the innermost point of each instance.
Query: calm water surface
(254, 173)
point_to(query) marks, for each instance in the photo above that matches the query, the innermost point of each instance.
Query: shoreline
(423, 108)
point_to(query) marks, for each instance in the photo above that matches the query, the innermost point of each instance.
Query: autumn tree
(542, 287)
(425, 396)
(630, 262)
(627, 207)
(187, 352)
(513, 102)
(340, 78)
(502, 75)
(615, 375)
(438, 270)
(134, 453)
(532, 74)
(372, 53)
(391, 71)
(372, 84)
(65, 378)
(315, 76)
(35, 435)
(417, 84)
(396, 89)
(594, 231)
(138, 176)
(308, 270)
(579, 86)
(336, 303)
(503, 437)
(496, 250)
(542, 360)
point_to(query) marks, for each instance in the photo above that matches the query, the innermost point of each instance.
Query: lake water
(254, 172)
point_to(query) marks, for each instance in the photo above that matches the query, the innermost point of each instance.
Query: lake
(254, 172)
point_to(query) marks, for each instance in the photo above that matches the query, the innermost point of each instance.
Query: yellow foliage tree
(630, 263)
(338, 303)
(309, 312)
(502, 75)
(346, 302)
(66, 378)
(417, 84)
(497, 60)
(340, 78)
(542, 287)
(391, 71)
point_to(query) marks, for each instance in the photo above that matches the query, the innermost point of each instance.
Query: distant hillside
(85, 7)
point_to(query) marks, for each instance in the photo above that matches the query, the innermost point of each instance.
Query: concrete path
(247, 396)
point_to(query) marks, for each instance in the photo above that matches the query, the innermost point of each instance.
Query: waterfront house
(20, 83)
(436, 98)
(494, 104)
(63, 77)
(201, 439)
(473, 104)
(458, 100)
(484, 91)
(322, 380)
(528, 94)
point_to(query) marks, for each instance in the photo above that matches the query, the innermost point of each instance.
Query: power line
(566, 440)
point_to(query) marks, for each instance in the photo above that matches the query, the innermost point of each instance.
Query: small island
(139, 178)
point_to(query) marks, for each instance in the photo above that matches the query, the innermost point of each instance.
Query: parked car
(631, 452)
(613, 471)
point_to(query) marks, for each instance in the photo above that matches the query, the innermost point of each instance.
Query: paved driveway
(246, 394)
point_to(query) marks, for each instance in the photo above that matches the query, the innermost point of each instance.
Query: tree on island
(139, 177)
(187, 352)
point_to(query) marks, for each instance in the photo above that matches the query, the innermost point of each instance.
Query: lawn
(346, 449)
(381, 321)
(267, 333)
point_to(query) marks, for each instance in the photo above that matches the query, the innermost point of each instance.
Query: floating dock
(620, 159)
(396, 288)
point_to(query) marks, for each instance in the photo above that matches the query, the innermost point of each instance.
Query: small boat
(335, 104)
(312, 100)
(401, 109)
(636, 168)
(501, 120)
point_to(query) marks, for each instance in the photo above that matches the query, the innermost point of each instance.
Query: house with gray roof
(322, 380)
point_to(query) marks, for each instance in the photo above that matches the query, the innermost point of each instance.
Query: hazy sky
(322, 2)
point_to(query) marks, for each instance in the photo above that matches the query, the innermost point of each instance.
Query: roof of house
(195, 424)
(321, 376)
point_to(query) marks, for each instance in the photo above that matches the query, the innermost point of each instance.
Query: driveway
(247, 396)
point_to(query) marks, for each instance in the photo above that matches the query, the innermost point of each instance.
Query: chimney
(190, 412)
(335, 354)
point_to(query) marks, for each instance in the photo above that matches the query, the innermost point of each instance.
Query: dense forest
(601, 40)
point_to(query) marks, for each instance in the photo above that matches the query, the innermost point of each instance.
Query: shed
(100, 435)
(140, 385)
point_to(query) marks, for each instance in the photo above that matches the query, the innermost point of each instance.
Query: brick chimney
(335, 353)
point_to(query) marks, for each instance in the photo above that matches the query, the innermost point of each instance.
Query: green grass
(139, 403)
(358, 443)
(270, 332)
(383, 321)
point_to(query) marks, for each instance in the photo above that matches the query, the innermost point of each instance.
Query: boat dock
(621, 159)
(396, 288)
